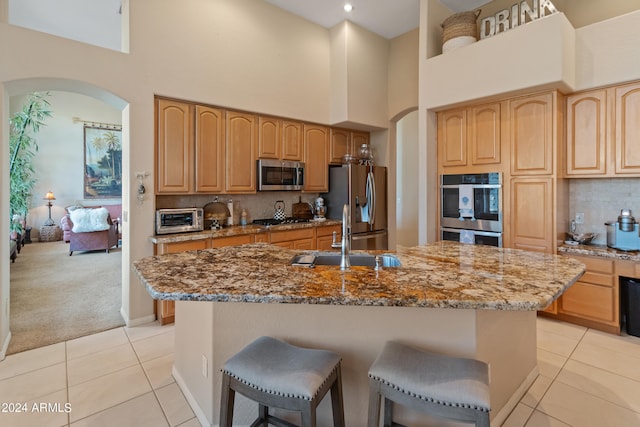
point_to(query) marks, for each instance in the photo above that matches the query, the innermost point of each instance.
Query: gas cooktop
(273, 221)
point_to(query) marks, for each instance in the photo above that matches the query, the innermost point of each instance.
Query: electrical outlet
(579, 217)
(205, 366)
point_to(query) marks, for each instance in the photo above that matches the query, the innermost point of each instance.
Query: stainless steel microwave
(179, 220)
(279, 175)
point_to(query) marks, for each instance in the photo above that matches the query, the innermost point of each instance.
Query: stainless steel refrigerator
(364, 189)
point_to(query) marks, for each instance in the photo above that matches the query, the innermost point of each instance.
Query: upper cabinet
(209, 149)
(531, 131)
(292, 141)
(587, 134)
(341, 145)
(241, 136)
(174, 147)
(279, 139)
(603, 133)
(469, 139)
(316, 158)
(627, 129)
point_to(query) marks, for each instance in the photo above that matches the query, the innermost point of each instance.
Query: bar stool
(444, 386)
(276, 374)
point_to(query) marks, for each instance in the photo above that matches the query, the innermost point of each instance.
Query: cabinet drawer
(328, 230)
(589, 301)
(232, 241)
(628, 269)
(262, 238)
(597, 265)
(284, 236)
(189, 245)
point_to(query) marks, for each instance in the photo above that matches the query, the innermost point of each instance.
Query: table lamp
(49, 197)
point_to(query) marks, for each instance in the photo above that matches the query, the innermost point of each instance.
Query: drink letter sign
(519, 14)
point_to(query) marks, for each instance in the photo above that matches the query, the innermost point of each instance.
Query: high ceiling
(388, 18)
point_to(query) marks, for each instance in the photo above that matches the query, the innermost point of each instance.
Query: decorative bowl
(582, 238)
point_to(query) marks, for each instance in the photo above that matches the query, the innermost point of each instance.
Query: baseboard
(137, 322)
(5, 346)
(198, 412)
(506, 410)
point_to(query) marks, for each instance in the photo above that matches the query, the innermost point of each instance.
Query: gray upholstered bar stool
(276, 374)
(443, 386)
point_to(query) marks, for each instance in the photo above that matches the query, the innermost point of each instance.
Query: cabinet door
(340, 145)
(241, 137)
(532, 214)
(627, 129)
(357, 139)
(209, 149)
(484, 134)
(325, 237)
(452, 138)
(531, 134)
(174, 147)
(589, 301)
(316, 153)
(292, 141)
(587, 133)
(269, 142)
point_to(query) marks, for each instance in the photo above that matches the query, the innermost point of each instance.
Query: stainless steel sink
(333, 258)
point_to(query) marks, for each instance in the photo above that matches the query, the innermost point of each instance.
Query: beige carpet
(56, 297)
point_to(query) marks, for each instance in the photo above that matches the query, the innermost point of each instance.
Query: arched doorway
(18, 87)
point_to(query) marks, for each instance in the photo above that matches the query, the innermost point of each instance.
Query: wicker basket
(461, 24)
(50, 233)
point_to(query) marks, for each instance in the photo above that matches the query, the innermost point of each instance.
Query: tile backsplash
(601, 200)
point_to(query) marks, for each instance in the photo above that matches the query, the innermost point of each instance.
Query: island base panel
(211, 332)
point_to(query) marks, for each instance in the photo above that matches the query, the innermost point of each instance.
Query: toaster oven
(179, 220)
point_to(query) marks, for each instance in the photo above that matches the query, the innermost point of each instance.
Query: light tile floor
(122, 377)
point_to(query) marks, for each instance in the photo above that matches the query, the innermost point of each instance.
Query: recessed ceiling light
(348, 7)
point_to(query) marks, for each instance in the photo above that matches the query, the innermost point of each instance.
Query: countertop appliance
(471, 208)
(364, 189)
(179, 220)
(279, 175)
(623, 234)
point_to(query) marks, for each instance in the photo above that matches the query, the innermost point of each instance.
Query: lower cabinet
(303, 239)
(165, 310)
(593, 301)
(324, 237)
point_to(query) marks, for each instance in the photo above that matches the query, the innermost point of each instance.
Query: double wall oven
(471, 208)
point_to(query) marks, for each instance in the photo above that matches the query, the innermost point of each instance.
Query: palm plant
(24, 125)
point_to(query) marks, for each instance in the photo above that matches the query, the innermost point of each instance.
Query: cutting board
(301, 210)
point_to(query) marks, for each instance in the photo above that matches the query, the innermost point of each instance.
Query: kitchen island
(463, 300)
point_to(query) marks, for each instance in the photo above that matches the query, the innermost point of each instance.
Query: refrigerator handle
(371, 197)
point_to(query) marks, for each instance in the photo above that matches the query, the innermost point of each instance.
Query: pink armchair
(89, 240)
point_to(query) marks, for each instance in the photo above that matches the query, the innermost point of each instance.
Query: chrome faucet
(345, 244)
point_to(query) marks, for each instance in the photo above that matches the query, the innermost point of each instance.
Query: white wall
(407, 211)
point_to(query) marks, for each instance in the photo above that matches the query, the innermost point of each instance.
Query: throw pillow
(87, 220)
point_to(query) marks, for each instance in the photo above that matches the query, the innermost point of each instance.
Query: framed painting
(102, 162)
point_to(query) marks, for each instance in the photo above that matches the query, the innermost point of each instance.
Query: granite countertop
(602, 251)
(238, 230)
(441, 274)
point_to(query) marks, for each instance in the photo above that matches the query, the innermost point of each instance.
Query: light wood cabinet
(587, 134)
(603, 133)
(324, 237)
(341, 145)
(532, 213)
(174, 147)
(593, 301)
(303, 239)
(269, 139)
(241, 134)
(220, 242)
(209, 149)
(532, 136)
(470, 138)
(292, 141)
(165, 310)
(316, 158)
(627, 129)
(345, 141)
